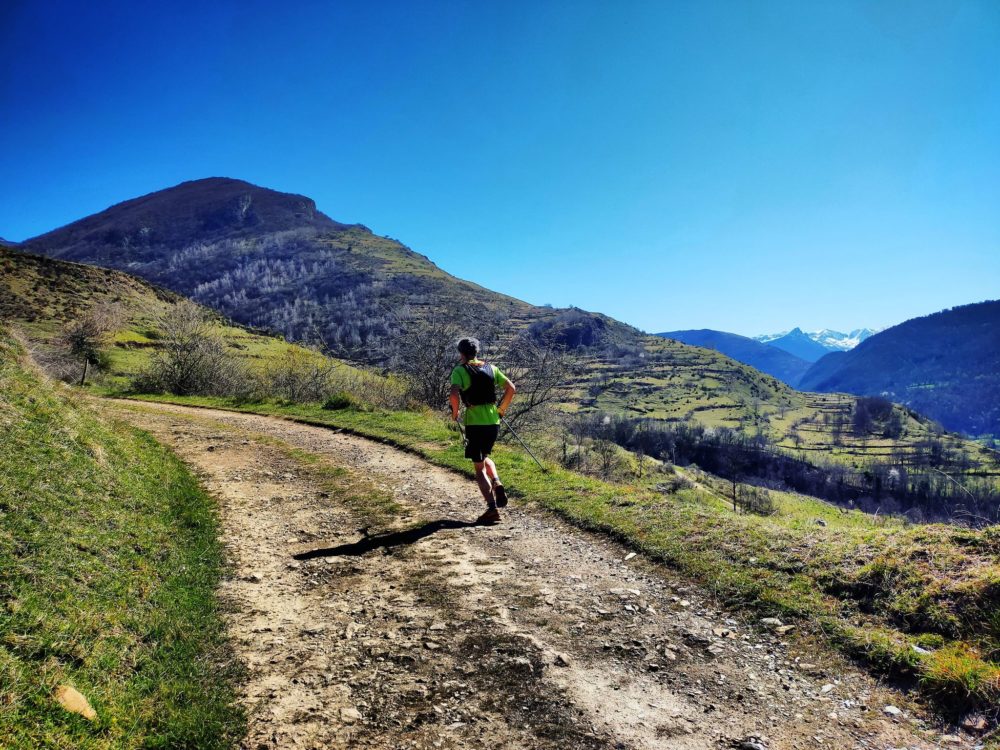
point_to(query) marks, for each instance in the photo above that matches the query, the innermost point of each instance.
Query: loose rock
(350, 715)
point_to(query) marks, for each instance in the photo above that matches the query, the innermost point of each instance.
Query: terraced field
(676, 382)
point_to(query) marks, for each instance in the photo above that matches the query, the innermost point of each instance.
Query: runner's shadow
(385, 541)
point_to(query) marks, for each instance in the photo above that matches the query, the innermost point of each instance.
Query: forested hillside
(945, 365)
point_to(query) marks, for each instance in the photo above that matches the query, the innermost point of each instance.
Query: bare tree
(539, 372)
(578, 429)
(608, 456)
(192, 358)
(753, 499)
(425, 355)
(86, 338)
(424, 350)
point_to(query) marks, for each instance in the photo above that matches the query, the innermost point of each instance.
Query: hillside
(644, 375)
(770, 359)
(41, 295)
(945, 365)
(271, 260)
(110, 558)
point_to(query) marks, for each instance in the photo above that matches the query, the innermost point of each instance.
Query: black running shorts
(479, 440)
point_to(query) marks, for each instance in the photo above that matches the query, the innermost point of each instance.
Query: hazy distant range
(787, 355)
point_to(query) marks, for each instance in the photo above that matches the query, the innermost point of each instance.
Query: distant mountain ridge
(843, 341)
(800, 344)
(770, 359)
(945, 365)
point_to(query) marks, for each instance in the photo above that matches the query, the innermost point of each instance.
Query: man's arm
(508, 396)
(454, 399)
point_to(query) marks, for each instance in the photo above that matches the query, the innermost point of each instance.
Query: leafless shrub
(192, 359)
(674, 483)
(753, 499)
(609, 459)
(380, 391)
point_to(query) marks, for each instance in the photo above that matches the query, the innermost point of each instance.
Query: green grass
(874, 587)
(109, 562)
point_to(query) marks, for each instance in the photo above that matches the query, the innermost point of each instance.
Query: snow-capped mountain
(841, 341)
(835, 341)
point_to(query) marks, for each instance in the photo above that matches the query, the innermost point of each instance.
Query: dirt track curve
(530, 634)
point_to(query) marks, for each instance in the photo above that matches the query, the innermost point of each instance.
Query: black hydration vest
(482, 390)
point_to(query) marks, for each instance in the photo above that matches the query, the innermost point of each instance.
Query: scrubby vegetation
(78, 317)
(108, 567)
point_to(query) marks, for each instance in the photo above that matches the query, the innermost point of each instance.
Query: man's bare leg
(491, 471)
(499, 493)
(485, 486)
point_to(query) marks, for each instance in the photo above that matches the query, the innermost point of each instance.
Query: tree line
(923, 490)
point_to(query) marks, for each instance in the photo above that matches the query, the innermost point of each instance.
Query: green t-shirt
(484, 413)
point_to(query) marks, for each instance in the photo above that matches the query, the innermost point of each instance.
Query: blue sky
(742, 165)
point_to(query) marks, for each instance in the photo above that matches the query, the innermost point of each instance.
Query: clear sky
(745, 165)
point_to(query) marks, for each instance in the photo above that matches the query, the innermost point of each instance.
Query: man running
(476, 383)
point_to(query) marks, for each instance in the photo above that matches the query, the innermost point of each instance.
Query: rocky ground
(438, 633)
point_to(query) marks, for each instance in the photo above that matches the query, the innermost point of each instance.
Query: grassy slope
(40, 295)
(875, 587)
(109, 561)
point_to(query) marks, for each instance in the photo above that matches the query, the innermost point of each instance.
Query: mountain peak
(205, 209)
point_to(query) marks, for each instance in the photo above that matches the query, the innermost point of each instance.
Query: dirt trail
(530, 634)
